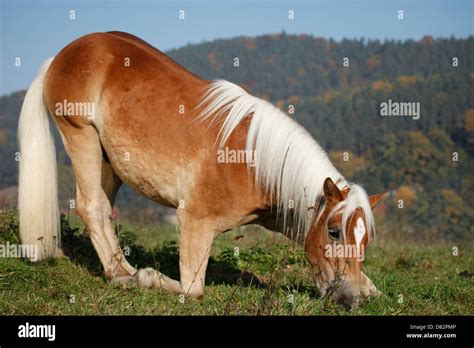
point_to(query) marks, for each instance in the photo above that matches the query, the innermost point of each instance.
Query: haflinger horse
(128, 113)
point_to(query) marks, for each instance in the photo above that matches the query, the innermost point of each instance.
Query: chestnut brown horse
(223, 158)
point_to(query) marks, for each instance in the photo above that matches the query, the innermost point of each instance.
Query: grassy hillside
(268, 277)
(412, 262)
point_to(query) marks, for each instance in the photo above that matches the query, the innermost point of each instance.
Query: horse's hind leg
(96, 186)
(111, 184)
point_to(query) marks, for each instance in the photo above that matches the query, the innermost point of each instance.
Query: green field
(268, 277)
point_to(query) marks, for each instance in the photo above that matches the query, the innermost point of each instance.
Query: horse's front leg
(195, 241)
(149, 278)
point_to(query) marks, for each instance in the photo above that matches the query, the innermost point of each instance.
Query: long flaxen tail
(38, 186)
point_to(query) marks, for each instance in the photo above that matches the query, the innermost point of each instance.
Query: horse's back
(132, 86)
(145, 109)
(120, 65)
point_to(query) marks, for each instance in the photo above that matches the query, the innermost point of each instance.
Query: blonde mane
(289, 164)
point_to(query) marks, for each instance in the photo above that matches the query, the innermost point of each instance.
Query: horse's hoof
(146, 277)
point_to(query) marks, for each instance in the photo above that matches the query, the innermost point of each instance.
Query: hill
(336, 90)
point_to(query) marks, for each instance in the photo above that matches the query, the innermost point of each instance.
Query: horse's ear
(375, 200)
(331, 191)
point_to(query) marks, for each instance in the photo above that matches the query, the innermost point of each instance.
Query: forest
(335, 89)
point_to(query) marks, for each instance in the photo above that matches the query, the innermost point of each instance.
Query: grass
(269, 276)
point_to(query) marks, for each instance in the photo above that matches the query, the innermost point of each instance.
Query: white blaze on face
(359, 231)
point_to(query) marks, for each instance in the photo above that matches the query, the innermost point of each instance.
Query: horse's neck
(271, 219)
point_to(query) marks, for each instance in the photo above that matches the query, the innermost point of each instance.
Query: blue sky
(37, 29)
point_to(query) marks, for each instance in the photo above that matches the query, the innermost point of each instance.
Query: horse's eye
(334, 233)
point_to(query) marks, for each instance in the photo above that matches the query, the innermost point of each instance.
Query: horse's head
(341, 230)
